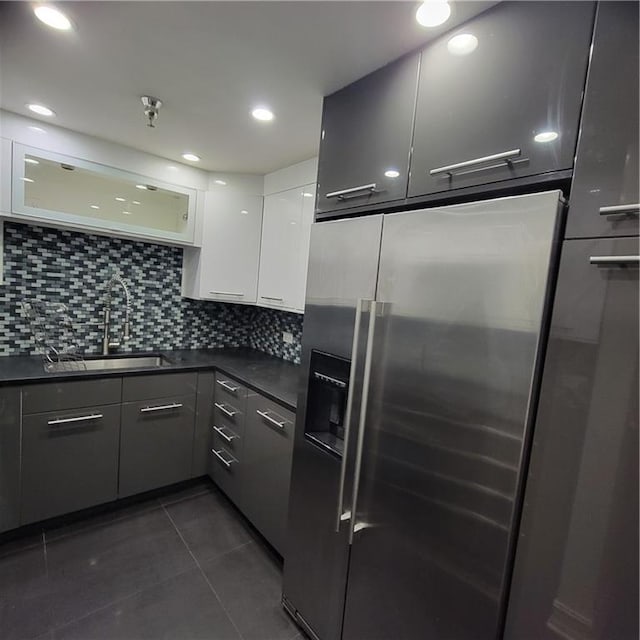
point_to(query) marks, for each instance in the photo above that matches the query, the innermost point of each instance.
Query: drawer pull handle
(450, 168)
(162, 407)
(220, 430)
(226, 293)
(227, 386)
(353, 192)
(615, 260)
(267, 417)
(271, 298)
(627, 209)
(93, 416)
(225, 410)
(218, 454)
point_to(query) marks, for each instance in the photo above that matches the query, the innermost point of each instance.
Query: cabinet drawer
(226, 471)
(225, 437)
(228, 389)
(159, 385)
(156, 443)
(267, 453)
(53, 396)
(69, 460)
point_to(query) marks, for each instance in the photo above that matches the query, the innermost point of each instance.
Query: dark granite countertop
(266, 374)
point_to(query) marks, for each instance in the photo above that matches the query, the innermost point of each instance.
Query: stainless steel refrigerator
(422, 348)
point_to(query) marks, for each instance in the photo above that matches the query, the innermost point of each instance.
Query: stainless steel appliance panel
(343, 269)
(462, 293)
(576, 570)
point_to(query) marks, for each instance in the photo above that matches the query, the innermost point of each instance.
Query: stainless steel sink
(111, 363)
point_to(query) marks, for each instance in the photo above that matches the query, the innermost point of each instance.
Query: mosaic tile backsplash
(74, 268)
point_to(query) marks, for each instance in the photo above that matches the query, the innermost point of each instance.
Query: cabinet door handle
(218, 454)
(627, 209)
(227, 293)
(615, 260)
(450, 168)
(273, 421)
(225, 410)
(227, 386)
(224, 435)
(92, 416)
(353, 192)
(271, 298)
(161, 407)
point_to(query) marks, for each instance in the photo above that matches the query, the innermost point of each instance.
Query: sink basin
(110, 363)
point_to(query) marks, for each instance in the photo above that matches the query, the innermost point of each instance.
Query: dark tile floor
(184, 565)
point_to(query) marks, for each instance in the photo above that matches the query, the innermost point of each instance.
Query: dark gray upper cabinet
(366, 138)
(500, 96)
(604, 194)
(576, 570)
(9, 458)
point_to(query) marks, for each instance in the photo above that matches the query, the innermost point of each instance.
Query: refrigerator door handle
(340, 515)
(368, 358)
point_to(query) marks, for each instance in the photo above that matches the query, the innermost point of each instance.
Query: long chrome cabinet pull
(93, 416)
(225, 410)
(450, 168)
(218, 454)
(340, 516)
(227, 386)
(628, 209)
(271, 298)
(366, 380)
(220, 430)
(227, 293)
(613, 260)
(352, 192)
(162, 407)
(267, 417)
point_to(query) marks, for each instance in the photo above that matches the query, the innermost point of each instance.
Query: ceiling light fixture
(119, 199)
(94, 206)
(41, 110)
(263, 114)
(143, 187)
(462, 44)
(191, 157)
(52, 17)
(433, 13)
(135, 202)
(127, 213)
(151, 107)
(546, 136)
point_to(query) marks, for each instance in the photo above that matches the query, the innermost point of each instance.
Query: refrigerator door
(463, 293)
(343, 270)
(576, 570)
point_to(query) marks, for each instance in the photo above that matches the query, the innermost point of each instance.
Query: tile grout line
(204, 575)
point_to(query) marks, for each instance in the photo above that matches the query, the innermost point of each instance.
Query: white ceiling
(210, 62)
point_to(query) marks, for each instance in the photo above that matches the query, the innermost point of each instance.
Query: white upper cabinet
(226, 267)
(284, 250)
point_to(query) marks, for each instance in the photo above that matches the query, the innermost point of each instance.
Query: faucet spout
(107, 343)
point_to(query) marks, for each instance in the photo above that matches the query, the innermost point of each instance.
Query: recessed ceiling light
(546, 136)
(28, 180)
(41, 110)
(391, 173)
(262, 113)
(119, 199)
(462, 44)
(94, 206)
(191, 157)
(222, 183)
(433, 13)
(127, 213)
(244, 212)
(52, 17)
(135, 202)
(141, 186)
(31, 161)
(306, 194)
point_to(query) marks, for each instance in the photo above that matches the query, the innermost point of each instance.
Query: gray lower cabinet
(266, 467)
(204, 418)
(9, 458)
(69, 460)
(156, 443)
(604, 193)
(499, 97)
(576, 569)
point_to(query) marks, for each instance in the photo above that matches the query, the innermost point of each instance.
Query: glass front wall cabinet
(51, 187)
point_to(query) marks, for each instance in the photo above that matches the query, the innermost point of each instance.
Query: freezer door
(463, 292)
(576, 571)
(343, 269)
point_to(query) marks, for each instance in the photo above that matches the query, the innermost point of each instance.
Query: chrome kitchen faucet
(107, 343)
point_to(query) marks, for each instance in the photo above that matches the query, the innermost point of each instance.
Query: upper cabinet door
(604, 195)
(499, 97)
(230, 246)
(366, 138)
